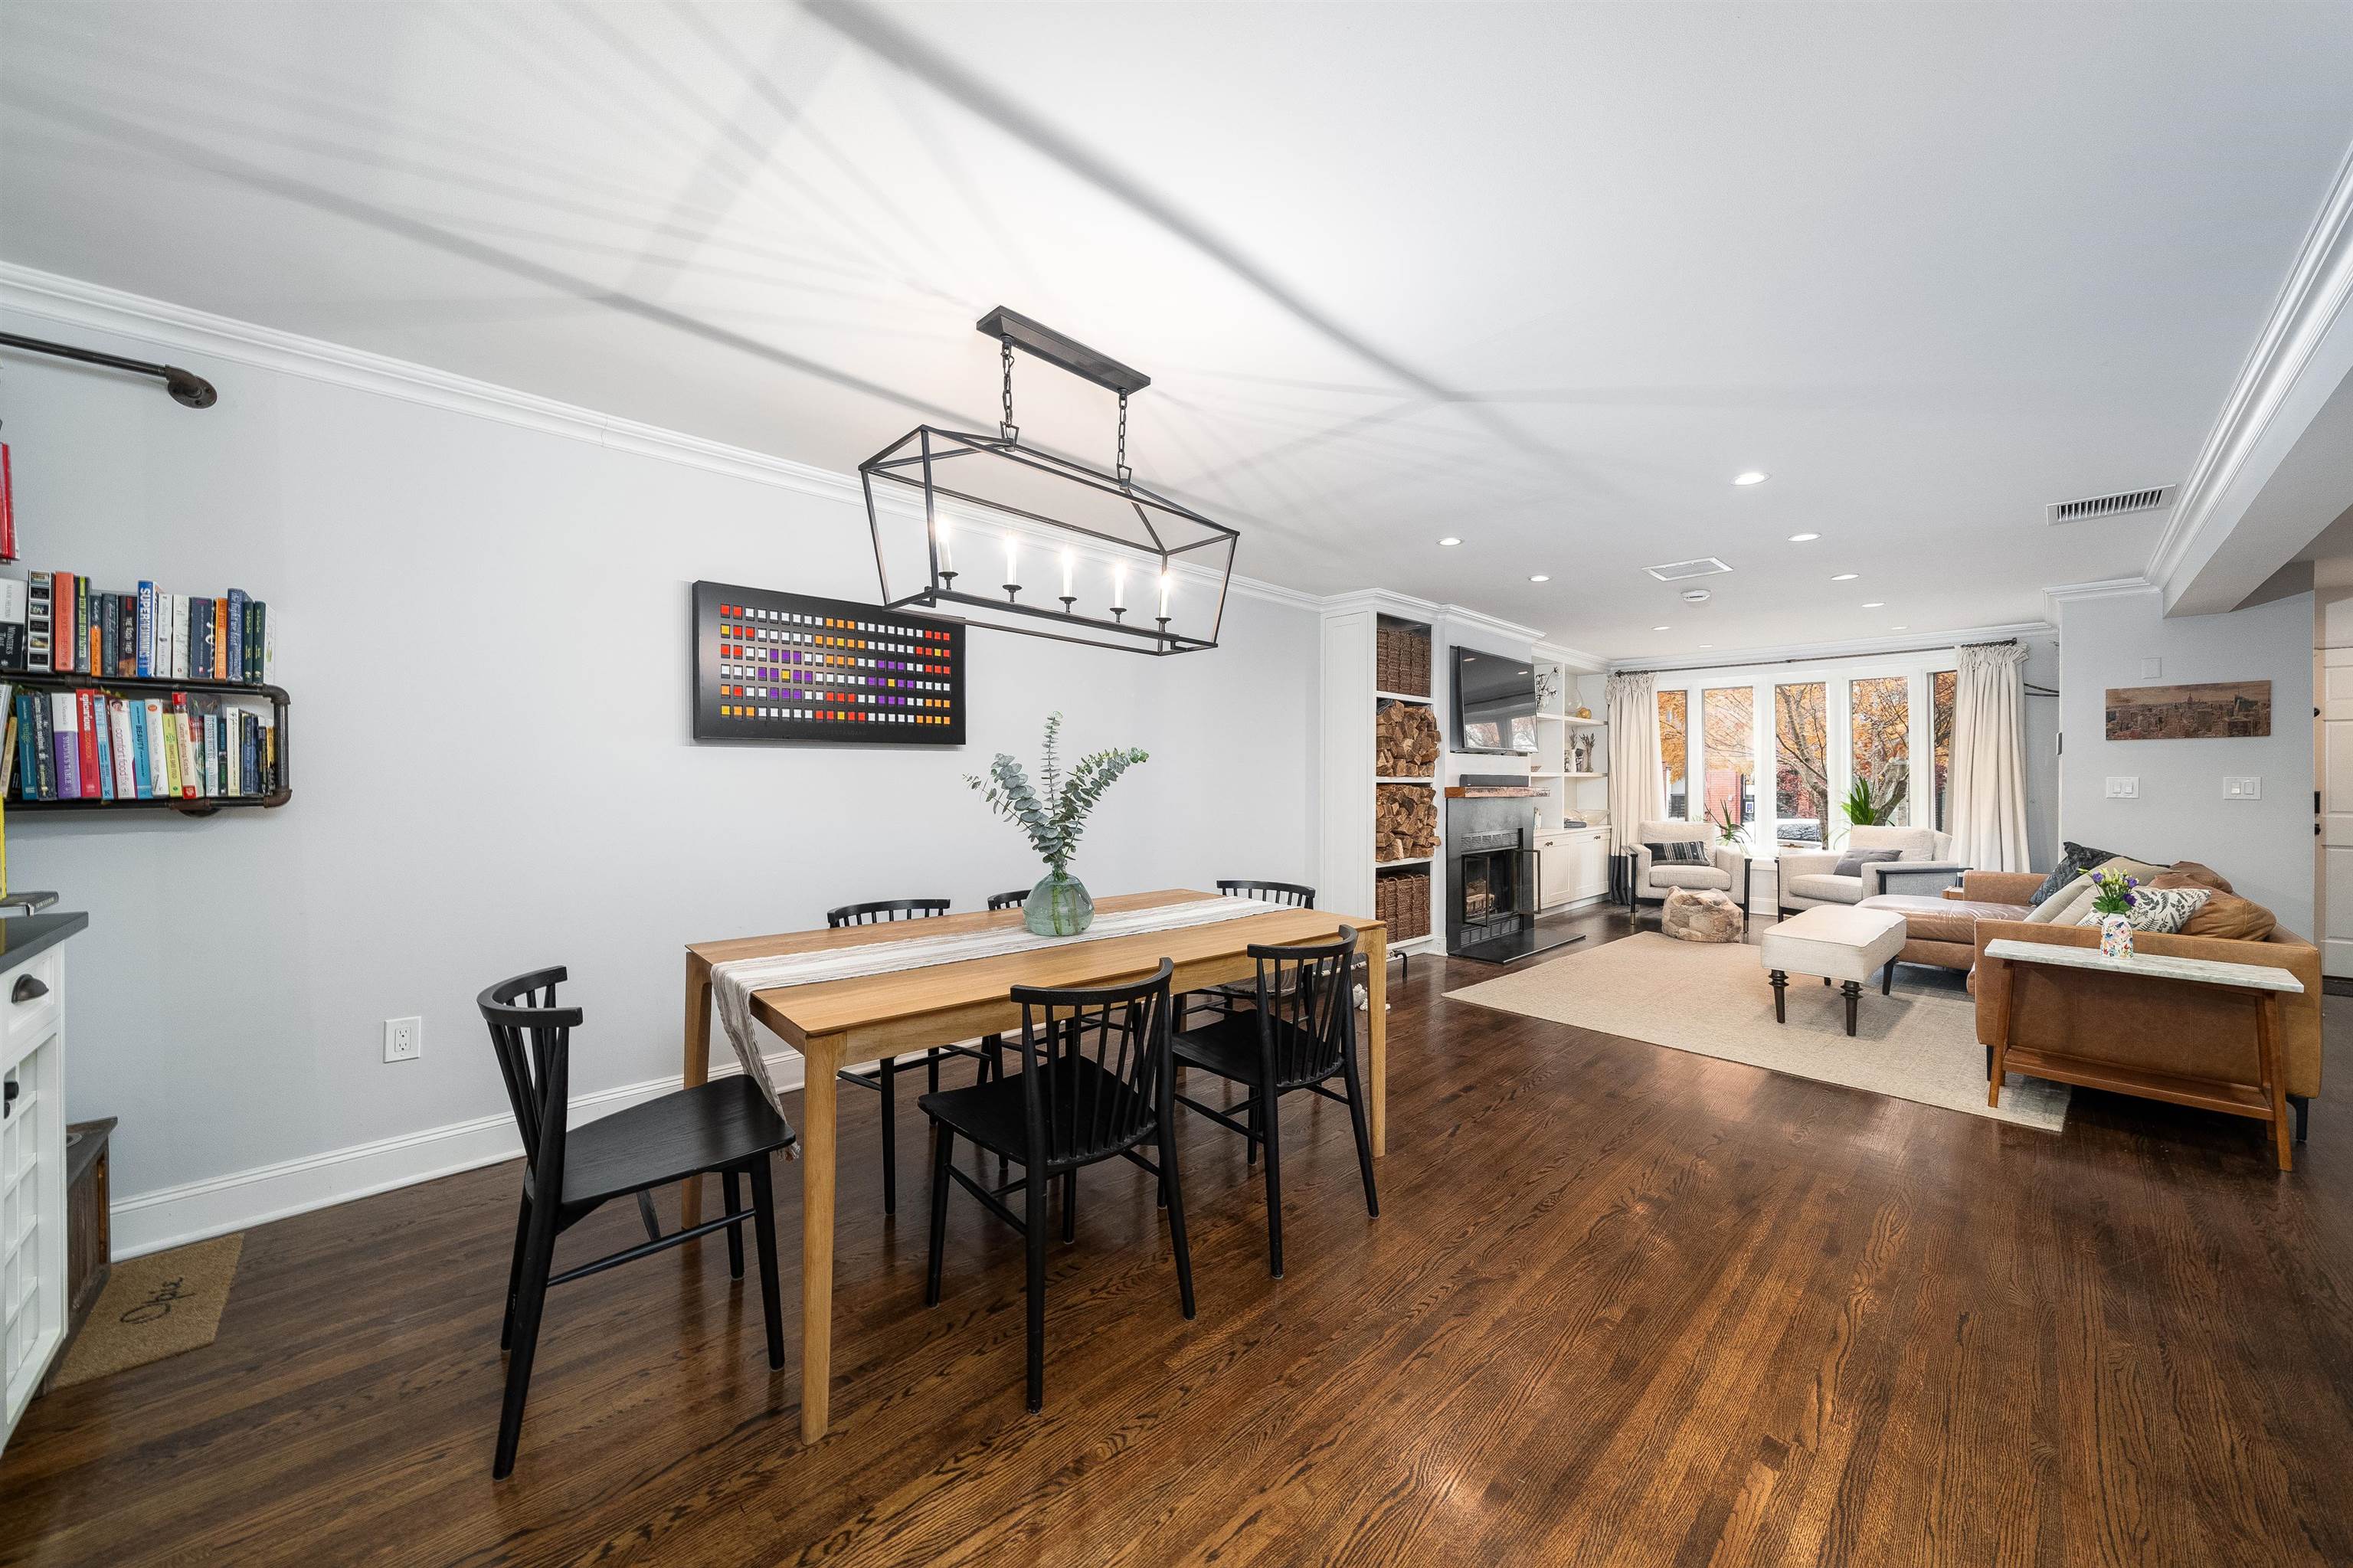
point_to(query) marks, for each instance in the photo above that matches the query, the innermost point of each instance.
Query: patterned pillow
(1683, 852)
(2160, 911)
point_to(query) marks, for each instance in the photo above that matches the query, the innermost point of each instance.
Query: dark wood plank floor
(1624, 1304)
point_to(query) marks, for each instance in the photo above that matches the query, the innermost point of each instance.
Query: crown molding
(2058, 594)
(93, 307)
(1577, 659)
(1922, 642)
(2310, 307)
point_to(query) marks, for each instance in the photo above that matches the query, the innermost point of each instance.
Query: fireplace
(1491, 875)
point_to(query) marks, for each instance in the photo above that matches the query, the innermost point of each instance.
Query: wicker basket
(1402, 903)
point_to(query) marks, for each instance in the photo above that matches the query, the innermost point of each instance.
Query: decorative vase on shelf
(1060, 905)
(2116, 935)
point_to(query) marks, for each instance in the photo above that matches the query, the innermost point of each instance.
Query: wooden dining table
(845, 1022)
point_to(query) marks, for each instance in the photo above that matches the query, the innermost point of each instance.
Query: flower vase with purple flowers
(2114, 902)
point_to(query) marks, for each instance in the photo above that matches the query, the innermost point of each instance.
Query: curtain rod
(2032, 691)
(187, 387)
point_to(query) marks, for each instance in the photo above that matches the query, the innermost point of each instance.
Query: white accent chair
(1808, 879)
(1727, 870)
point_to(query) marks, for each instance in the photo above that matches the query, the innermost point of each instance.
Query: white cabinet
(1572, 865)
(32, 1153)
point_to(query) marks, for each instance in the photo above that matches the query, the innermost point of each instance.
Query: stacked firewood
(1401, 902)
(1405, 821)
(1405, 742)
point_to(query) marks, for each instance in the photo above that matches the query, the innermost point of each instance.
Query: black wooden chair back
(532, 1038)
(1293, 893)
(1095, 1063)
(1013, 900)
(1306, 1009)
(886, 909)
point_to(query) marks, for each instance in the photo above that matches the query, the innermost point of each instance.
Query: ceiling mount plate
(1069, 353)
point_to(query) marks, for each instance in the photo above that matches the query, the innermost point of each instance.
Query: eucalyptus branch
(1055, 821)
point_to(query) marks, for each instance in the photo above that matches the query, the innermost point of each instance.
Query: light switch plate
(2240, 787)
(2123, 788)
(2150, 669)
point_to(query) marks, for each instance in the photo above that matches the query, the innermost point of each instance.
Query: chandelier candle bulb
(1164, 595)
(1119, 585)
(940, 532)
(1070, 563)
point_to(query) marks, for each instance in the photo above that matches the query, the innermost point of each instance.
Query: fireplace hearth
(1491, 877)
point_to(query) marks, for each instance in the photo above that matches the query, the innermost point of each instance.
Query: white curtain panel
(1988, 782)
(1637, 792)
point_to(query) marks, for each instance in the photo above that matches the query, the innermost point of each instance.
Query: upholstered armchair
(1924, 865)
(1724, 868)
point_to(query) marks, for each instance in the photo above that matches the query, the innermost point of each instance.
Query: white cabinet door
(1591, 877)
(1555, 870)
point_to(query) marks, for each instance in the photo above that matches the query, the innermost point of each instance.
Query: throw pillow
(2062, 907)
(1682, 852)
(1852, 862)
(2223, 914)
(2073, 862)
(2196, 875)
(2159, 911)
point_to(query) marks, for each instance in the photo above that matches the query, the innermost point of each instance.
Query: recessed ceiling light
(1658, 628)
(1450, 539)
(1804, 538)
(1541, 577)
(1876, 604)
(1846, 577)
(1707, 644)
(1751, 477)
(1899, 629)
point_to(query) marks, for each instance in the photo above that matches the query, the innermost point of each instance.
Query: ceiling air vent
(2117, 505)
(1676, 571)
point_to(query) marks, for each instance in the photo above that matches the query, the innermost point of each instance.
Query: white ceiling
(1543, 278)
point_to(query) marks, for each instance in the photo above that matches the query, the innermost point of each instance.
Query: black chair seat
(670, 1139)
(995, 1114)
(1229, 1047)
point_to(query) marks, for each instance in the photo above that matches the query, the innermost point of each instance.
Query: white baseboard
(193, 1211)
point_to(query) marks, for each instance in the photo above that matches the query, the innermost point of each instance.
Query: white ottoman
(1836, 941)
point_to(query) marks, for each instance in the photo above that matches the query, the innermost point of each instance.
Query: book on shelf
(60, 624)
(91, 743)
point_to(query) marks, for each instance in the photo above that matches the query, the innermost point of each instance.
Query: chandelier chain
(1121, 465)
(1006, 427)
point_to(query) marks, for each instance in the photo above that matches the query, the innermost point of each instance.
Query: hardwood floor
(1623, 1305)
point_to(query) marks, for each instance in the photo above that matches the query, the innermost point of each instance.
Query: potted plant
(1729, 827)
(2114, 902)
(1060, 905)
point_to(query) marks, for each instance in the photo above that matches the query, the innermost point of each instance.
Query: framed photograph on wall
(2217, 710)
(793, 667)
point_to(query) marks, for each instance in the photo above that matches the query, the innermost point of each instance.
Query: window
(1881, 708)
(1801, 762)
(1728, 719)
(1674, 708)
(1940, 713)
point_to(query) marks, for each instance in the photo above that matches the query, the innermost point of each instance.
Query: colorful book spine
(126, 761)
(101, 735)
(38, 650)
(28, 767)
(45, 746)
(233, 637)
(12, 602)
(110, 634)
(126, 634)
(163, 749)
(146, 631)
(86, 734)
(179, 637)
(134, 726)
(7, 507)
(68, 744)
(190, 775)
(85, 627)
(61, 623)
(218, 646)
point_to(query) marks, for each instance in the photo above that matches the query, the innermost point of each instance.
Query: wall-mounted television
(1494, 701)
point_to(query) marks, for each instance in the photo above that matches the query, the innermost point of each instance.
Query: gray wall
(2263, 846)
(484, 629)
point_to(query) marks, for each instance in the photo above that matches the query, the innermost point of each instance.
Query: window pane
(1882, 749)
(1940, 719)
(1729, 716)
(1674, 710)
(1802, 759)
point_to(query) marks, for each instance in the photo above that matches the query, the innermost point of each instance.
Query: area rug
(1712, 999)
(154, 1306)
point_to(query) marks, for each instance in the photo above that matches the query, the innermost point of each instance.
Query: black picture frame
(793, 668)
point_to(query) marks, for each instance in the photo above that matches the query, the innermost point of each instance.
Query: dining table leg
(823, 1057)
(694, 1068)
(1377, 1041)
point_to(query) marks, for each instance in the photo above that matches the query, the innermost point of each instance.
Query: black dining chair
(883, 1076)
(1013, 900)
(1094, 1086)
(726, 1127)
(1303, 1035)
(1227, 997)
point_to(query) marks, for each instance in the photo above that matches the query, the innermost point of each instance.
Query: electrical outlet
(2241, 788)
(2123, 788)
(403, 1039)
(2150, 669)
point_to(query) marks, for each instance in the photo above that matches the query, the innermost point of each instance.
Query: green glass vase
(1060, 905)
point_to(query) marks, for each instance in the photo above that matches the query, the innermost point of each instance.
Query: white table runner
(733, 983)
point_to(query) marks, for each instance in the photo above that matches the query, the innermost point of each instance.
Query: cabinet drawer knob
(28, 988)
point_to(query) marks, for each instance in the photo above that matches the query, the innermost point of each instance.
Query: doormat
(154, 1306)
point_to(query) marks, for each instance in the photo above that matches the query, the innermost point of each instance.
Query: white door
(2334, 759)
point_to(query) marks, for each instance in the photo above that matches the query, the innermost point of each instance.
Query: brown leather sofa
(2172, 1028)
(1942, 929)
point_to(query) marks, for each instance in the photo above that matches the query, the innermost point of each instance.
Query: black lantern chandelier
(1088, 555)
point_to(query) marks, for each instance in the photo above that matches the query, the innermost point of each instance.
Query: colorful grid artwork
(785, 666)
